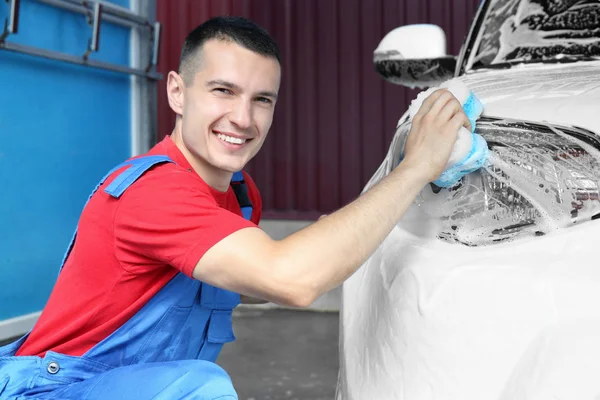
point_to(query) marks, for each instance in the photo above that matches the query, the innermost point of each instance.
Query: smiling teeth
(230, 139)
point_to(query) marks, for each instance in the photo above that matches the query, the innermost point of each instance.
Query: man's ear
(175, 88)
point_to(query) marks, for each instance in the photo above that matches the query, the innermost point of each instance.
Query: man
(169, 241)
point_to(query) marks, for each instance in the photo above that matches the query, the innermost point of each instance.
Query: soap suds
(538, 178)
(539, 30)
(414, 73)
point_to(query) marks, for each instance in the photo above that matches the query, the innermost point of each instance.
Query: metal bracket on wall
(93, 42)
(96, 12)
(11, 25)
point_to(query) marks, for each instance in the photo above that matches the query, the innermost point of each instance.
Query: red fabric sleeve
(166, 218)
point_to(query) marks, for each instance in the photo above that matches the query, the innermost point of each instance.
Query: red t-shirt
(127, 249)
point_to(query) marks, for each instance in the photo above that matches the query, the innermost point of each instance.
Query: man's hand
(433, 133)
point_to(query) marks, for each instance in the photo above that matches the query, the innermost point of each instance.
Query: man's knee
(208, 380)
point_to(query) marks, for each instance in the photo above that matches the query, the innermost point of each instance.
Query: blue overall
(165, 351)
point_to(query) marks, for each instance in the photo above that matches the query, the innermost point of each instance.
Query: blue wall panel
(62, 126)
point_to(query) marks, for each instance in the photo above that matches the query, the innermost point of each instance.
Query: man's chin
(231, 167)
(230, 162)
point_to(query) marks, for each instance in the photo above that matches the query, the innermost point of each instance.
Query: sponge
(470, 150)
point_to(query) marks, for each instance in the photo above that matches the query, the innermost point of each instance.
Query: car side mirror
(414, 56)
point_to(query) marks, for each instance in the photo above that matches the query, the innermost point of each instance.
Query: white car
(490, 290)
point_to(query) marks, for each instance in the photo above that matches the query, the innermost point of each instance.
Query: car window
(526, 31)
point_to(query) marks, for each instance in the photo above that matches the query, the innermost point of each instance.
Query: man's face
(228, 109)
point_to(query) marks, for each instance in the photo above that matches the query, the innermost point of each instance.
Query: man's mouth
(231, 139)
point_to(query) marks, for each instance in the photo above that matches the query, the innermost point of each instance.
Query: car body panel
(567, 94)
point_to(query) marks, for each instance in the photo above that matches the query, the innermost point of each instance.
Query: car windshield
(531, 31)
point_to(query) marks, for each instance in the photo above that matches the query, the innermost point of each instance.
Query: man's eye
(265, 100)
(223, 90)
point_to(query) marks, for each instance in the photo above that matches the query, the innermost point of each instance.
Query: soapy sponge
(470, 151)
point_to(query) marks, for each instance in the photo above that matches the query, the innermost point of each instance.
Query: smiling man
(169, 242)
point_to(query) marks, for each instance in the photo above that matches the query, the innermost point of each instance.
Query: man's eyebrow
(220, 82)
(233, 86)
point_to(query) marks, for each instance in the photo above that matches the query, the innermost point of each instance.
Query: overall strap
(131, 174)
(241, 193)
(137, 167)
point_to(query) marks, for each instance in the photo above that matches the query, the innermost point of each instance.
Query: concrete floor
(282, 354)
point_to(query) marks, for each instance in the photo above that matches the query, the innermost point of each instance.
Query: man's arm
(296, 270)
(251, 300)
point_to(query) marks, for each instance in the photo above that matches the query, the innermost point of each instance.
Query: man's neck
(215, 178)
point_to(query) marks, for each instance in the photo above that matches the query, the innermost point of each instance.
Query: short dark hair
(240, 30)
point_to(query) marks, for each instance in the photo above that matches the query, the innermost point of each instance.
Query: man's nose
(241, 115)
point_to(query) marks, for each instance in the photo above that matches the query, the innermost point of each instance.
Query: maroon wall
(336, 116)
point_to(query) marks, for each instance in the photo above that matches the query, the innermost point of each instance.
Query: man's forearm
(324, 254)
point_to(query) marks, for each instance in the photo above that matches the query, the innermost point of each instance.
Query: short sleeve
(166, 218)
